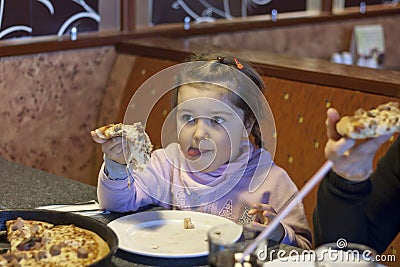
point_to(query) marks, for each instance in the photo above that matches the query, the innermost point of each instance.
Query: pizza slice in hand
(138, 142)
(382, 120)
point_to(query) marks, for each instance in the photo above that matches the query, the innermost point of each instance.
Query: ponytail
(256, 132)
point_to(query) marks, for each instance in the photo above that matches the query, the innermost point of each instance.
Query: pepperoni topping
(18, 224)
(55, 250)
(83, 253)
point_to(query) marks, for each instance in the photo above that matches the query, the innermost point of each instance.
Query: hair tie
(238, 64)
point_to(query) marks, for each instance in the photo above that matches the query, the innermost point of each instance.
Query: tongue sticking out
(193, 152)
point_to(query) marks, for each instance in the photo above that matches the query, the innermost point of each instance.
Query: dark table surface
(23, 187)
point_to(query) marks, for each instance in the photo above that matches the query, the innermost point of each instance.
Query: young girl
(213, 165)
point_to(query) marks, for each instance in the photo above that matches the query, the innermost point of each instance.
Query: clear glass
(226, 243)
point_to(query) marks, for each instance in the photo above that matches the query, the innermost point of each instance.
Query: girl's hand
(350, 161)
(112, 148)
(265, 213)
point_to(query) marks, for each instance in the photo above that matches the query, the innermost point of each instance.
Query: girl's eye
(218, 120)
(187, 118)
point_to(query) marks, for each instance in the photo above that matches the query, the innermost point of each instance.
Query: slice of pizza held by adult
(382, 120)
(138, 142)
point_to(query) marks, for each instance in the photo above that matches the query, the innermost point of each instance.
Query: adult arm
(354, 206)
(383, 210)
(367, 212)
(340, 210)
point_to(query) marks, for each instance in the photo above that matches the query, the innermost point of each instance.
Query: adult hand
(112, 148)
(350, 160)
(265, 214)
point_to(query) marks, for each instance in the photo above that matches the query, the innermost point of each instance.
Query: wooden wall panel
(300, 111)
(142, 70)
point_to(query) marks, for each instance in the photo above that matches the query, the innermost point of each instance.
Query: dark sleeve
(367, 212)
(383, 210)
(340, 210)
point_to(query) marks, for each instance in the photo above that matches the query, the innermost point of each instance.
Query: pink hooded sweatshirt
(230, 191)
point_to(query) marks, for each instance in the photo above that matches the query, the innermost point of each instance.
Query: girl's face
(209, 129)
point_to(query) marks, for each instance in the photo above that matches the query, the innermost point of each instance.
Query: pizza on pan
(139, 144)
(382, 120)
(38, 243)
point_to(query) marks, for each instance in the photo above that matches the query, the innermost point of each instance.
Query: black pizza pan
(59, 218)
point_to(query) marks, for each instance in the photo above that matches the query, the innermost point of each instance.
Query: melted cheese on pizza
(36, 243)
(385, 119)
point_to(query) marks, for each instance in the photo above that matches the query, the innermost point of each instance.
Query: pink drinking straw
(315, 179)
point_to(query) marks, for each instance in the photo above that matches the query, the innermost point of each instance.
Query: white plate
(161, 233)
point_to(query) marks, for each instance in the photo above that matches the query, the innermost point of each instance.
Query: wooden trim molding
(15, 47)
(327, 6)
(128, 15)
(309, 70)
